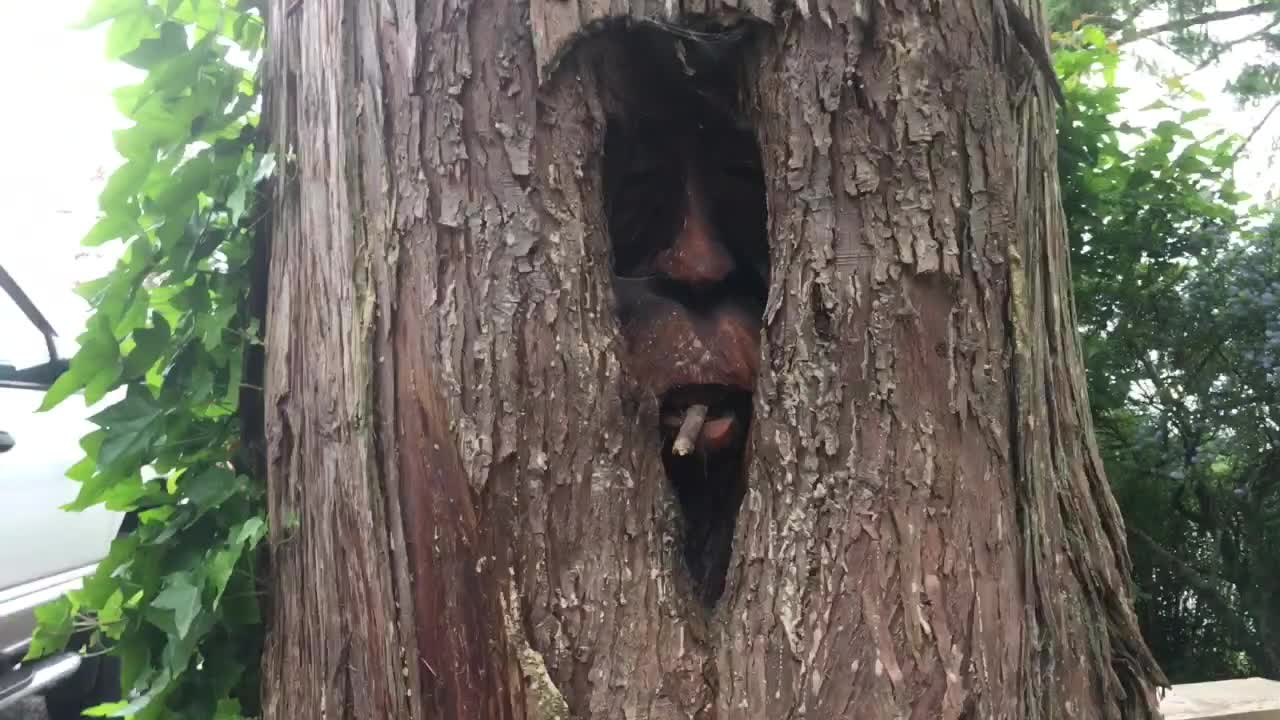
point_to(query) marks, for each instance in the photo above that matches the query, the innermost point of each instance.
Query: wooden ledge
(1246, 699)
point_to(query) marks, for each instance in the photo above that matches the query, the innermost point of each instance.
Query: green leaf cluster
(1200, 32)
(177, 598)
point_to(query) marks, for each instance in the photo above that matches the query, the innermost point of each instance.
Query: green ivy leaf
(171, 42)
(121, 709)
(112, 611)
(181, 597)
(131, 425)
(228, 709)
(221, 566)
(128, 30)
(97, 355)
(123, 184)
(64, 387)
(238, 199)
(149, 344)
(101, 383)
(111, 227)
(1195, 115)
(214, 325)
(54, 629)
(209, 489)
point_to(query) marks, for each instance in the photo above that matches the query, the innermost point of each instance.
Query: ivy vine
(177, 598)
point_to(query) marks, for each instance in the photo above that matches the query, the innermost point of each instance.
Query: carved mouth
(704, 419)
(708, 476)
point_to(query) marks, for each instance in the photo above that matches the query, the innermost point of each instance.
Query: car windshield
(21, 344)
(25, 332)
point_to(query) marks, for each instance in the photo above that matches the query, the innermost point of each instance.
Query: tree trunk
(470, 517)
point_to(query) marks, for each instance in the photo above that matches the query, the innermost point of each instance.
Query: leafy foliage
(177, 597)
(1178, 295)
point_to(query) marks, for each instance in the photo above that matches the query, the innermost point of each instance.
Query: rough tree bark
(469, 516)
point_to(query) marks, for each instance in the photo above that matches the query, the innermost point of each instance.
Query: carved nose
(696, 258)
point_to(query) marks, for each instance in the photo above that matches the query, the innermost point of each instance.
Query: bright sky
(57, 145)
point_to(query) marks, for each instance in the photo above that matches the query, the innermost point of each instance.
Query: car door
(38, 539)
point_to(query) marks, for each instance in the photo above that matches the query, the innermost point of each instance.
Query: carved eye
(639, 237)
(644, 208)
(738, 199)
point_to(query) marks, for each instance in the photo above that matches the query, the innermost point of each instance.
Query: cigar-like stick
(689, 430)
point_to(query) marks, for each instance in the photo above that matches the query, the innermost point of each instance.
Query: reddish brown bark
(484, 529)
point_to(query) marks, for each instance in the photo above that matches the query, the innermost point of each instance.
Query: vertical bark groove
(334, 607)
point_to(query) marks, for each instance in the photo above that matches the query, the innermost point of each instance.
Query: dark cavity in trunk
(685, 200)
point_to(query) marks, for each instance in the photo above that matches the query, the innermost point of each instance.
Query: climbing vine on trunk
(173, 341)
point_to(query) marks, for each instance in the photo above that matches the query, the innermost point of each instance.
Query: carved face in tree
(684, 195)
(456, 458)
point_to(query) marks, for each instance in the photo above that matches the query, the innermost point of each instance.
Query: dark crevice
(684, 198)
(821, 316)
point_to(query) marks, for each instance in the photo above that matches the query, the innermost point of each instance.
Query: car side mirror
(44, 374)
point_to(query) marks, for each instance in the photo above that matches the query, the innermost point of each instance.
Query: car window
(21, 344)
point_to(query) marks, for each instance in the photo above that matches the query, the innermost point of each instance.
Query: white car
(45, 551)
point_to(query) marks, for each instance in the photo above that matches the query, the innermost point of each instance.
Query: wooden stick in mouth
(690, 429)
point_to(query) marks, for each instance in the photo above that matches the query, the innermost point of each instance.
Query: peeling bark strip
(468, 508)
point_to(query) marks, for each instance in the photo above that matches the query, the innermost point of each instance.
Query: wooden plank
(1244, 699)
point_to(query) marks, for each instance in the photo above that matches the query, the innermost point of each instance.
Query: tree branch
(1196, 578)
(1220, 48)
(1184, 23)
(1236, 155)
(1205, 588)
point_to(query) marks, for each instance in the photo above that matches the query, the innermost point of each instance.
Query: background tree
(1176, 287)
